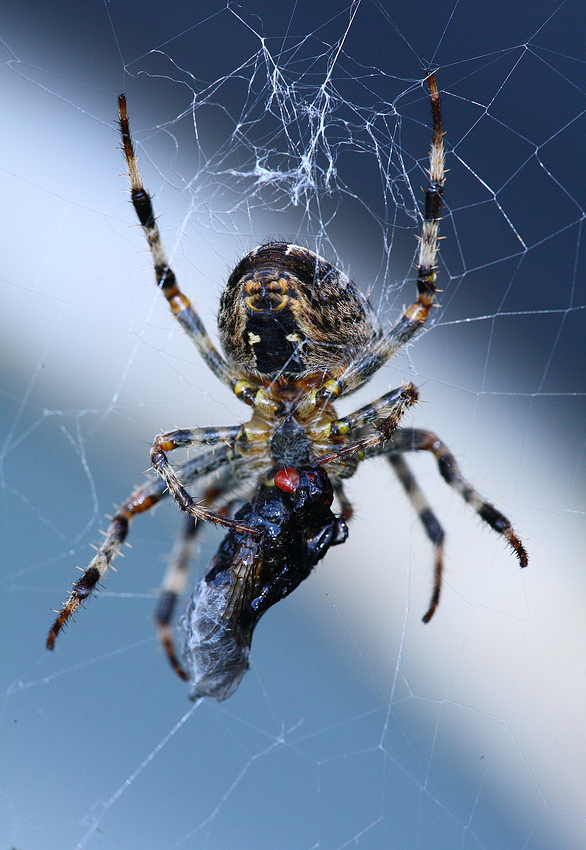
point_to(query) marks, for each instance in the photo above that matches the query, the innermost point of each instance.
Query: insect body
(297, 335)
(250, 573)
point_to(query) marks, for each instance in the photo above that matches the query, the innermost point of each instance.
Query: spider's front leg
(385, 413)
(172, 440)
(174, 584)
(416, 440)
(177, 573)
(141, 500)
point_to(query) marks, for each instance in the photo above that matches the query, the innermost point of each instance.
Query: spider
(297, 335)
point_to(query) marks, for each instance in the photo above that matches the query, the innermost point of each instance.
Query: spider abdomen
(288, 313)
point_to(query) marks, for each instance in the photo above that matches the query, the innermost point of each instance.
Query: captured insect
(297, 335)
(251, 573)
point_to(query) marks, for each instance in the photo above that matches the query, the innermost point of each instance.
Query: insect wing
(217, 632)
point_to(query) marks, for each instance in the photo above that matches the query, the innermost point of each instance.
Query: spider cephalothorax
(297, 335)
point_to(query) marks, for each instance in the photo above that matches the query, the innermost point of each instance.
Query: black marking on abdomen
(274, 340)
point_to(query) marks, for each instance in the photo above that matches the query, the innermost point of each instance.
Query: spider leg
(172, 440)
(183, 311)
(386, 412)
(141, 500)
(175, 579)
(430, 523)
(173, 586)
(415, 316)
(416, 440)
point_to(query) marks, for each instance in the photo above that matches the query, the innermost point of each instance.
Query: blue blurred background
(357, 725)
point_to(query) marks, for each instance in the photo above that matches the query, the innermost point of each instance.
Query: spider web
(357, 725)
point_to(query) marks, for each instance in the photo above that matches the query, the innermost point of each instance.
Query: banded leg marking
(416, 440)
(172, 440)
(141, 500)
(430, 523)
(178, 302)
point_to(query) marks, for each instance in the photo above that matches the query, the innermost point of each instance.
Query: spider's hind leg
(180, 305)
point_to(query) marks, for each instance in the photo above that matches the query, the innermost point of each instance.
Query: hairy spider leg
(415, 316)
(172, 440)
(430, 523)
(141, 500)
(180, 305)
(417, 440)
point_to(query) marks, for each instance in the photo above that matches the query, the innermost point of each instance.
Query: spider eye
(287, 479)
